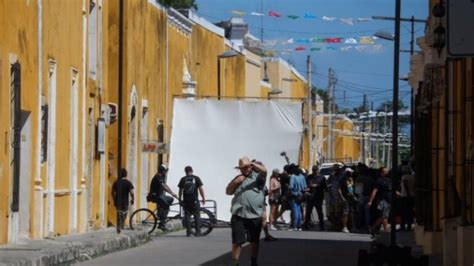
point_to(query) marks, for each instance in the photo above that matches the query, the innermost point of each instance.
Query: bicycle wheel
(208, 221)
(144, 220)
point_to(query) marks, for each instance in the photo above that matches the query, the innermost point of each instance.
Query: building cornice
(180, 22)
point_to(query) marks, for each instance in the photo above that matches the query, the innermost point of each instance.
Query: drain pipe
(120, 88)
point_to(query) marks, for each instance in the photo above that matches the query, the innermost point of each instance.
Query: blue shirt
(297, 185)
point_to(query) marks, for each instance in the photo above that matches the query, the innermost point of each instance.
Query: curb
(74, 248)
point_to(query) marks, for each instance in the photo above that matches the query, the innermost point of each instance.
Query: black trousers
(194, 210)
(163, 203)
(318, 204)
(407, 212)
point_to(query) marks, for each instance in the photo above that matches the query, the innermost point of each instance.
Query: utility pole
(412, 21)
(310, 115)
(377, 147)
(332, 111)
(372, 131)
(364, 150)
(384, 156)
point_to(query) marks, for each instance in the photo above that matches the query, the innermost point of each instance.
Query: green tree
(388, 104)
(323, 94)
(179, 4)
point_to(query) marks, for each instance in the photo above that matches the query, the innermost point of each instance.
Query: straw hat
(244, 161)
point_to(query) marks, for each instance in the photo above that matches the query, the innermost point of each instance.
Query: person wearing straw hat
(247, 207)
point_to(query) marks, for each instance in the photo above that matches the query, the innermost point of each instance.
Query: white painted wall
(145, 156)
(74, 148)
(51, 169)
(25, 178)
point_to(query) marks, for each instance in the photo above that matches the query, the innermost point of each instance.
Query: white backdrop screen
(212, 135)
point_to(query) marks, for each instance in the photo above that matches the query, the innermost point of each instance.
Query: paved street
(293, 248)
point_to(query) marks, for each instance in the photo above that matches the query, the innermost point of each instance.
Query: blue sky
(358, 72)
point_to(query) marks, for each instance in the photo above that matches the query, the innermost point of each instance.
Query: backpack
(189, 188)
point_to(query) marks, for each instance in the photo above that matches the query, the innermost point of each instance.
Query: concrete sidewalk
(74, 248)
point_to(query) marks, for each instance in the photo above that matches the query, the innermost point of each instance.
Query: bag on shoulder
(151, 197)
(189, 188)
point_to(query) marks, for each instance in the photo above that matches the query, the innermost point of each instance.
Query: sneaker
(345, 230)
(163, 228)
(299, 229)
(292, 229)
(273, 228)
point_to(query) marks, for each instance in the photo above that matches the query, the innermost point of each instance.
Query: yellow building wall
(206, 46)
(345, 147)
(299, 88)
(179, 51)
(18, 38)
(299, 93)
(144, 67)
(63, 44)
(233, 76)
(252, 75)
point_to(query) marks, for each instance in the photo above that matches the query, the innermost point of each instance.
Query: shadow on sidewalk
(293, 252)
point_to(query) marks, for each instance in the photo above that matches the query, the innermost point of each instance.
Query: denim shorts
(384, 208)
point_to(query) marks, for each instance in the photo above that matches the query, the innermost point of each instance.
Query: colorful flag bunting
(331, 48)
(309, 16)
(274, 14)
(302, 40)
(293, 16)
(238, 13)
(328, 18)
(361, 48)
(347, 21)
(364, 19)
(257, 14)
(346, 48)
(350, 41)
(366, 40)
(315, 49)
(318, 40)
(333, 40)
(377, 48)
(290, 41)
(300, 48)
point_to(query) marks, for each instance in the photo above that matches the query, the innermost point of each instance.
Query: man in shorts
(247, 207)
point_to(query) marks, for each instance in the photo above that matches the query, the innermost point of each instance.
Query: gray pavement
(292, 248)
(65, 250)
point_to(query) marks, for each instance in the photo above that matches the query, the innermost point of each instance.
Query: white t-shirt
(411, 186)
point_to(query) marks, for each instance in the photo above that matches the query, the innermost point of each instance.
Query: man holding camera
(247, 207)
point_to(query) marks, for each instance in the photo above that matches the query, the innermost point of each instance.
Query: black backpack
(189, 188)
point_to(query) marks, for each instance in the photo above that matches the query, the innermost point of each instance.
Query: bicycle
(147, 220)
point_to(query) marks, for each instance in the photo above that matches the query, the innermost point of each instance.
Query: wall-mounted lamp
(439, 38)
(274, 92)
(439, 11)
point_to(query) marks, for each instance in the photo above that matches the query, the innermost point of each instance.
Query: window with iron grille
(44, 133)
(15, 109)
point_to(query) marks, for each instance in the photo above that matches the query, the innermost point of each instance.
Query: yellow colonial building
(86, 88)
(443, 148)
(344, 138)
(53, 168)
